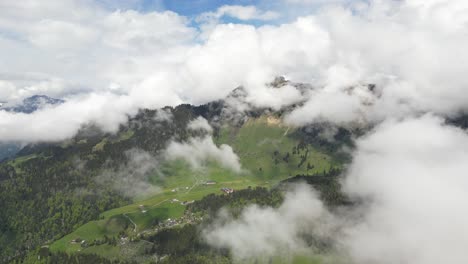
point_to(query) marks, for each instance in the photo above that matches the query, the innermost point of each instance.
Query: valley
(264, 148)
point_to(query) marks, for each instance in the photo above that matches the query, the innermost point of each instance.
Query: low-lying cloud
(414, 175)
(411, 178)
(260, 233)
(198, 151)
(132, 178)
(63, 121)
(200, 123)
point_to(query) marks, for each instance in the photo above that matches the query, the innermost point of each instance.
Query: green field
(265, 151)
(18, 161)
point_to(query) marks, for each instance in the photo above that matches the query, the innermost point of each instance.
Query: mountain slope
(262, 144)
(63, 181)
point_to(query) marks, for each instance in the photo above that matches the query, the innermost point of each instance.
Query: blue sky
(193, 8)
(183, 7)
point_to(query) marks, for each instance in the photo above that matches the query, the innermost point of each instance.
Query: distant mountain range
(31, 104)
(27, 106)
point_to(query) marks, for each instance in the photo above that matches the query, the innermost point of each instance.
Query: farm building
(210, 182)
(227, 190)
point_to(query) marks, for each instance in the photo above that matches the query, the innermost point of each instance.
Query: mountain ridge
(31, 104)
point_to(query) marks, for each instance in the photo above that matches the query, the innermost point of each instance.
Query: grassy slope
(17, 161)
(254, 143)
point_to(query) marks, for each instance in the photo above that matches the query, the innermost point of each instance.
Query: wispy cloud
(132, 178)
(238, 12)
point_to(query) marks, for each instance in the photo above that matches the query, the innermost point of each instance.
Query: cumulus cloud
(198, 151)
(200, 123)
(410, 50)
(260, 233)
(131, 30)
(15, 87)
(338, 106)
(85, 48)
(407, 77)
(274, 97)
(414, 175)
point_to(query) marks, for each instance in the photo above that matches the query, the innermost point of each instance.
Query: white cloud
(163, 115)
(198, 151)
(6, 90)
(63, 121)
(260, 233)
(339, 106)
(200, 123)
(275, 98)
(407, 48)
(414, 174)
(91, 47)
(31, 10)
(132, 178)
(56, 34)
(393, 44)
(131, 30)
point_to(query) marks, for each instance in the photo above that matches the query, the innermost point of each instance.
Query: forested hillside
(49, 190)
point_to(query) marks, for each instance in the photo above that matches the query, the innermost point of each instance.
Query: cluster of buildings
(174, 200)
(227, 190)
(142, 208)
(187, 202)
